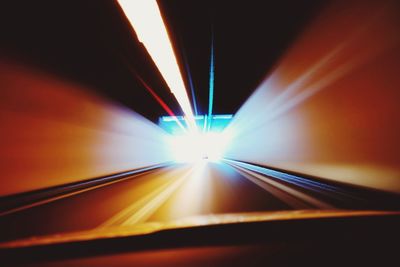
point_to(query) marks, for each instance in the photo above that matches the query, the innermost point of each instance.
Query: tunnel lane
(162, 195)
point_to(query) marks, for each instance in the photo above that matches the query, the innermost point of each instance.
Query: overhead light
(146, 20)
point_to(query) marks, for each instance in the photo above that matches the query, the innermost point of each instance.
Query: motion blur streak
(148, 24)
(54, 132)
(190, 80)
(211, 84)
(161, 102)
(330, 107)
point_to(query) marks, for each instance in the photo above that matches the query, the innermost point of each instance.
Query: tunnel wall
(55, 132)
(331, 106)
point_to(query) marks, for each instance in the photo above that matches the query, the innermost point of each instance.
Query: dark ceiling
(91, 42)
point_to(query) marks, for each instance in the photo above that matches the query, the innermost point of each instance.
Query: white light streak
(195, 147)
(146, 19)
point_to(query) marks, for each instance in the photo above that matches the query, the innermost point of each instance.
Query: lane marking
(45, 201)
(276, 192)
(292, 197)
(142, 209)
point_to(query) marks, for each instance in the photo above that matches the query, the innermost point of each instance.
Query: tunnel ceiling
(90, 42)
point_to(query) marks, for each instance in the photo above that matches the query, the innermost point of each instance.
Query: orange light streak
(55, 132)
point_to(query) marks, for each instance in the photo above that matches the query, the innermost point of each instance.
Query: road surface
(161, 195)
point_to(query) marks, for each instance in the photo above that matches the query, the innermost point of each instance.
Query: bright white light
(196, 146)
(146, 19)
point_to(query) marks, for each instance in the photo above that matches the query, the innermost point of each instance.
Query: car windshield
(133, 116)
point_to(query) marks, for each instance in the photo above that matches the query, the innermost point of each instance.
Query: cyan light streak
(211, 84)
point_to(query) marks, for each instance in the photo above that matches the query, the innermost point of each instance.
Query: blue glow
(218, 123)
(204, 144)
